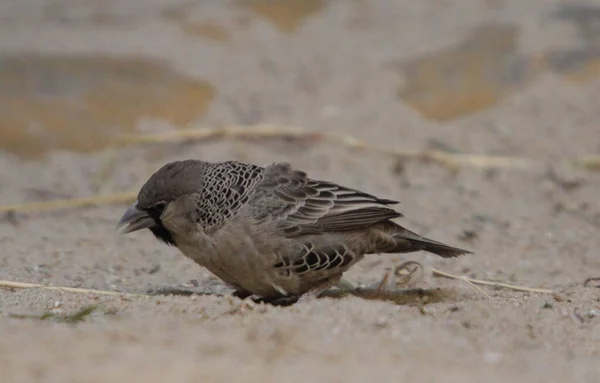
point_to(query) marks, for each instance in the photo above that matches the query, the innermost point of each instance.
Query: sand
(516, 79)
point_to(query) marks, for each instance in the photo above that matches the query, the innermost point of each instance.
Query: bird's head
(169, 184)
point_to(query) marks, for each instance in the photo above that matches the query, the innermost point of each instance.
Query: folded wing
(302, 206)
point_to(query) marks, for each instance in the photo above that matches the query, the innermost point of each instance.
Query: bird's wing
(301, 205)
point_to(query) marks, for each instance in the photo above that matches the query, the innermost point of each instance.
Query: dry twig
(21, 285)
(588, 163)
(270, 131)
(44, 206)
(438, 273)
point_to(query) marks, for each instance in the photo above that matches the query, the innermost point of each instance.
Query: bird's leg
(316, 291)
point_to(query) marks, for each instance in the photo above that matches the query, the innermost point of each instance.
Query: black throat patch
(159, 230)
(162, 234)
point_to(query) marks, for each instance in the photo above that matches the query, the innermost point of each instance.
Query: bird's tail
(401, 240)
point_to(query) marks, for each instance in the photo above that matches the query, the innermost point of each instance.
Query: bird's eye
(159, 206)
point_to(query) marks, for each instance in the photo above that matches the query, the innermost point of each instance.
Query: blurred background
(75, 73)
(421, 85)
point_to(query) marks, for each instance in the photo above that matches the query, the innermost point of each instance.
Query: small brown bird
(269, 231)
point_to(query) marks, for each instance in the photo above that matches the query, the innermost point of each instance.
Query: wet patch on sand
(81, 103)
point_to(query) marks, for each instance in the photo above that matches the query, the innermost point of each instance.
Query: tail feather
(406, 241)
(440, 249)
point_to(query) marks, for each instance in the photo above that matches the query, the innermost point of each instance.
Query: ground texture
(497, 77)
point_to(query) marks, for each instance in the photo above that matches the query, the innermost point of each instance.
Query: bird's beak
(134, 219)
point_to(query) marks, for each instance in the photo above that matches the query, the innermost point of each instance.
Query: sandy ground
(496, 77)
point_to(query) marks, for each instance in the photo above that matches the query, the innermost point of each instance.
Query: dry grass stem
(444, 158)
(475, 287)
(21, 285)
(588, 163)
(45, 206)
(187, 135)
(438, 273)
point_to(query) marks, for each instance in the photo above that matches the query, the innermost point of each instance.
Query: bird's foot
(242, 294)
(289, 300)
(274, 301)
(278, 301)
(318, 290)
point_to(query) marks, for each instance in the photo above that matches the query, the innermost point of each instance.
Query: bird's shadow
(404, 297)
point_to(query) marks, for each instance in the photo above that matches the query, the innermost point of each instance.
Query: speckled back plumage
(226, 189)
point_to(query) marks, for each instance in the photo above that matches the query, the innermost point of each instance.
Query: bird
(269, 232)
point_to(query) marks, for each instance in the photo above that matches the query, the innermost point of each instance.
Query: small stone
(381, 322)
